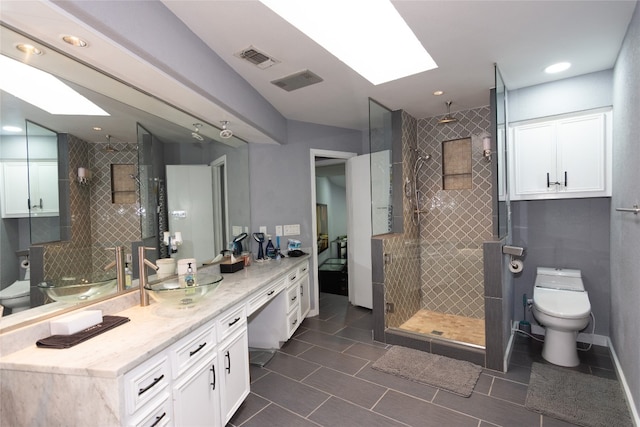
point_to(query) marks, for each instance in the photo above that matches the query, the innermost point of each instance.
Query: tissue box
(76, 322)
(229, 267)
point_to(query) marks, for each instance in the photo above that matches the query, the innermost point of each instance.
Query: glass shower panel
(501, 154)
(381, 178)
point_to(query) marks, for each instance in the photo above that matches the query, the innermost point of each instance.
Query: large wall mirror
(108, 172)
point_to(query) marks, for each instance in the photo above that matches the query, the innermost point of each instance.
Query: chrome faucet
(119, 265)
(143, 263)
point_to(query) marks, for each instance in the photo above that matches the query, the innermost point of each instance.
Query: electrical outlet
(292, 230)
(278, 230)
(263, 229)
(128, 258)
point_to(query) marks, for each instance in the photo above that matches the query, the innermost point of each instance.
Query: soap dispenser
(128, 276)
(189, 279)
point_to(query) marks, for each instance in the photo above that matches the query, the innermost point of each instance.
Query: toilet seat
(566, 304)
(19, 288)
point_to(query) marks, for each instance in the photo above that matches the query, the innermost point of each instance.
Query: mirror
(144, 132)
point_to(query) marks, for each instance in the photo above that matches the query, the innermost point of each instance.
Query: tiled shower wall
(96, 223)
(454, 223)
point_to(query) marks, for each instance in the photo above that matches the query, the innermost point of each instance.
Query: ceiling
(465, 38)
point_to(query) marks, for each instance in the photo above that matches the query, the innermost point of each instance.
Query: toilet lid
(562, 303)
(19, 288)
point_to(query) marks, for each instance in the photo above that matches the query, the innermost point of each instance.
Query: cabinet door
(581, 154)
(233, 355)
(15, 190)
(534, 156)
(196, 395)
(45, 177)
(305, 297)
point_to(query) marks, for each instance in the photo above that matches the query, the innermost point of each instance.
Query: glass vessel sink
(175, 293)
(78, 292)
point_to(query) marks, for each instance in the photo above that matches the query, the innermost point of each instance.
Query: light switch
(263, 229)
(278, 230)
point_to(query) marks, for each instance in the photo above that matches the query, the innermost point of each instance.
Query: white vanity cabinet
(565, 157)
(196, 389)
(233, 360)
(147, 393)
(29, 188)
(305, 291)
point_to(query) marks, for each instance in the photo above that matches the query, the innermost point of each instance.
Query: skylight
(369, 36)
(43, 90)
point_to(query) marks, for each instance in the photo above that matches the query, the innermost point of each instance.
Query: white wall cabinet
(564, 157)
(29, 188)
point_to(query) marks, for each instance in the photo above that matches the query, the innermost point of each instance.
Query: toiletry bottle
(188, 277)
(271, 250)
(128, 275)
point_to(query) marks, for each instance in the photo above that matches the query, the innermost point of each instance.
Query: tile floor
(322, 377)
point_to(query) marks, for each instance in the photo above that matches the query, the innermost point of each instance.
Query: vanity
(165, 366)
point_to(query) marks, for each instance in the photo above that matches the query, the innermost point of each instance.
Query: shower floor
(447, 326)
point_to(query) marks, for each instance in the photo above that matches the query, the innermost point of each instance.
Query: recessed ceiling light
(97, 128)
(10, 128)
(438, 93)
(29, 49)
(370, 37)
(557, 68)
(74, 41)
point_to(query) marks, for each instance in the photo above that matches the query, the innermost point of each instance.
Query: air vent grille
(257, 58)
(297, 80)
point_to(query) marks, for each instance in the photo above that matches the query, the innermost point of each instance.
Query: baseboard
(509, 349)
(625, 386)
(601, 340)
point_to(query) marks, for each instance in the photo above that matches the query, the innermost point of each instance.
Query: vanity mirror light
(143, 131)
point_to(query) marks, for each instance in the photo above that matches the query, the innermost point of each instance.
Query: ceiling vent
(297, 80)
(257, 58)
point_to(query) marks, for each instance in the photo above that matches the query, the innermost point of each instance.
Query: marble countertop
(151, 329)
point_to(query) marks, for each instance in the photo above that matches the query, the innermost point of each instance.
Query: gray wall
(570, 233)
(281, 177)
(625, 227)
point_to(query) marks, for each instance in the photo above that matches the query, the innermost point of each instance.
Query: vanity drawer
(231, 320)
(292, 322)
(156, 414)
(304, 268)
(192, 348)
(292, 297)
(146, 381)
(264, 296)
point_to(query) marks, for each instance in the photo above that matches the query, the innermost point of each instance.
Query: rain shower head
(109, 148)
(448, 118)
(196, 132)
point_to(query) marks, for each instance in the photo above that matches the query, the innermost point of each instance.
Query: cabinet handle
(28, 204)
(293, 278)
(228, 367)
(191, 353)
(294, 298)
(301, 290)
(234, 322)
(155, 381)
(213, 384)
(565, 178)
(294, 322)
(41, 203)
(158, 419)
(270, 293)
(556, 183)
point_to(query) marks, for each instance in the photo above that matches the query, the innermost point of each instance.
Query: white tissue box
(76, 322)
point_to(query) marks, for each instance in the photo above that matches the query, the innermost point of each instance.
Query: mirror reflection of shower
(411, 188)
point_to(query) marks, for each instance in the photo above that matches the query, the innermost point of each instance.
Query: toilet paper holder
(515, 265)
(512, 250)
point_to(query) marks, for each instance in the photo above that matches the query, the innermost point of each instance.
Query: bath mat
(456, 376)
(575, 397)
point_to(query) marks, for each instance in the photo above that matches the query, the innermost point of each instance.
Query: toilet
(16, 296)
(562, 306)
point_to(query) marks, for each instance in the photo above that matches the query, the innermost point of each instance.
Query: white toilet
(561, 305)
(16, 296)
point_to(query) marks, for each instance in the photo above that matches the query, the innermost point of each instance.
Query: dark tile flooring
(323, 377)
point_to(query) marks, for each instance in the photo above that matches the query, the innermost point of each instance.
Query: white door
(359, 226)
(190, 210)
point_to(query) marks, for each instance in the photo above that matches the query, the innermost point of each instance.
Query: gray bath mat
(456, 376)
(575, 397)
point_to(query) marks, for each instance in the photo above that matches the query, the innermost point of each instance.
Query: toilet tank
(559, 278)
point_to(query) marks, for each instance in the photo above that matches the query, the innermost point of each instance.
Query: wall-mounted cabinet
(563, 157)
(29, 189)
